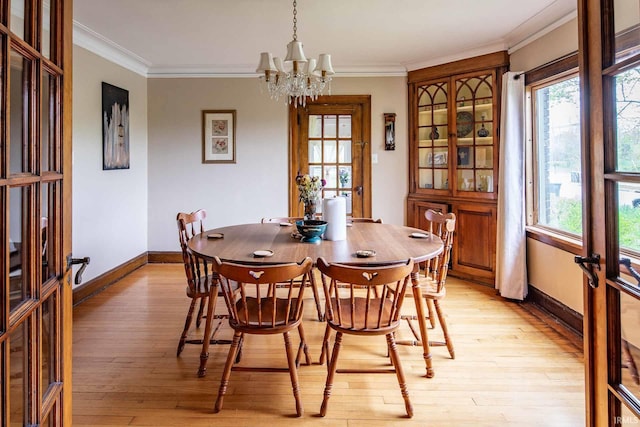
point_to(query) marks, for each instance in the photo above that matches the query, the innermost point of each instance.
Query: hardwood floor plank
(513, 367)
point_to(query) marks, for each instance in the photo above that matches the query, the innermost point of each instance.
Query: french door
(35, 189)
(610, 79)
(330, 139)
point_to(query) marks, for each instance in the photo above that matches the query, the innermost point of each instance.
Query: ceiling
(364, 37)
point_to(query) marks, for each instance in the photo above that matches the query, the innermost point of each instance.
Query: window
(557, 182)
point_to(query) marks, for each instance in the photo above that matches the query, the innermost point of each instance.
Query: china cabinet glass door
(474, 132)
(433, 136)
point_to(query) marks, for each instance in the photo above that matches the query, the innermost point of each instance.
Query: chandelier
(303, 78)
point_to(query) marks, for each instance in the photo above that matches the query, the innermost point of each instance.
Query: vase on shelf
(483, 132)
(434, 133)
(310, 208)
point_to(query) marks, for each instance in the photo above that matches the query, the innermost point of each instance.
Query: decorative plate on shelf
(464, 123)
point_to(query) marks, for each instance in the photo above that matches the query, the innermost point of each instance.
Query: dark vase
(434, 133)
(482, 132)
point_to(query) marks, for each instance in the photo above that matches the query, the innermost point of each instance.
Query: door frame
(294, 139)
(602, 332)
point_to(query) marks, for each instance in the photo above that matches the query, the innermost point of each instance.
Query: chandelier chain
(295, 20)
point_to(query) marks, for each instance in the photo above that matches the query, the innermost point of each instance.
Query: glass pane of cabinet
(433, 131)
(474, 129)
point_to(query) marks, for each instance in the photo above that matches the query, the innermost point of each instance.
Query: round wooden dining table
(391, 244)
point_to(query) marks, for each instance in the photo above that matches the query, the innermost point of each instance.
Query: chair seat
(201, 288)
(429, 289)
(370, 317)
(267, 313)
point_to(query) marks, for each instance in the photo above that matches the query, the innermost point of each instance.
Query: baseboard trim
(570, 318)
(102, 282)
(156, 257)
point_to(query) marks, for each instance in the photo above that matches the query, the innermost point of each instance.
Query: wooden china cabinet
(454, 117)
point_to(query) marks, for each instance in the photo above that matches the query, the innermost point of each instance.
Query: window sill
(556, 240)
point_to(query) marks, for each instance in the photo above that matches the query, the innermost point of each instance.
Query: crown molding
(483, 50)
(101, 46)
(520, 44)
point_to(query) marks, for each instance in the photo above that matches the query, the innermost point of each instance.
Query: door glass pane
(626, 21)
(330, 151)
(629, 215)
(330, 130)
(46, 127)
(344, 126)
(46, 29)
(344, 151)
(628, 120)
(17, 18)
(18, 374)
(45, 232)
(315, 126)
(628, 418)
(47, 343)
(3, 350)
(344, 176)
(331, 174)
(18, 143)
(18, 246)
(630, 327)
(315, 151)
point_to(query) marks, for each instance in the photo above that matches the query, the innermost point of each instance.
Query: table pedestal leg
(422, 322)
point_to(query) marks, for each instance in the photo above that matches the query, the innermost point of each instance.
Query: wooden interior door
(610, 81)
(35, 189)
(330, 138)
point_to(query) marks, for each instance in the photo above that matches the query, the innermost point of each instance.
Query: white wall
(109, 207)
(256, 185)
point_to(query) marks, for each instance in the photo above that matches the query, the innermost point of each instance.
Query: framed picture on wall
(218, 136)
(115, 127)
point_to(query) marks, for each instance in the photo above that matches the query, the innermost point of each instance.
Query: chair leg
(187, 325)
(325, 347)
(445, 330)
(203, 302)
(316, 296)
(431, 315)
(395, 359)
(224, 382)
(293, 373)
(330, 374)
(303, 347)
(206, 339)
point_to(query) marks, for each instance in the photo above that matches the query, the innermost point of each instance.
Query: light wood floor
(513, 367)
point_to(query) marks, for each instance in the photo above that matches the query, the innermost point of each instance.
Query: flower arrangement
(309, 187)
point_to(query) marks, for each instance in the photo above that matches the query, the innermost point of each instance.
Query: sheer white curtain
(511, 256)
